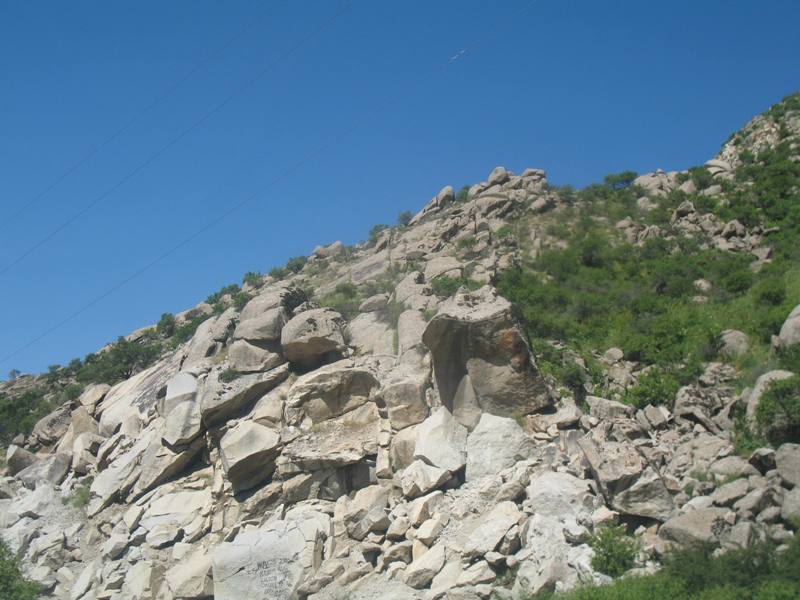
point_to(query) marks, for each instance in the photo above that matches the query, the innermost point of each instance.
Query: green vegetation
(600, 291)
(404, 218)
(375, 232)
(615, 551)
(229, 375)
(463, 194)
(345, 299)
(13, 586)
(227, 290)
(166, 325)
(252, 278)
(122, 359)
(80, 495)
(778, 412)
(445, 286)
(756, 573)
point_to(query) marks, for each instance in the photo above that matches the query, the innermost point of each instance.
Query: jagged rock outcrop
(481, 359)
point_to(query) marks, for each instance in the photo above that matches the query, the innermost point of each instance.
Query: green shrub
(503, 232)
(445, 286)
(404, 218)
(344, 299)
(224, 291)
(121, 360)
(778, 411)
(755, 573)
(240, 299)
(80, 495)
(251, 278)
(229, 375)
(166, 324)
(463, 194)
(296, 264)
(185, 331)
(278, 273)
(619, 181)
(13, 586)
(656, 386)
(614, 550)
(375, 232)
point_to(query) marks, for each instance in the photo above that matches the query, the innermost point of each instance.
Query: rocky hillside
(521, 389)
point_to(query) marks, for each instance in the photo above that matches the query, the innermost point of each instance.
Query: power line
(238, 206)
(168, 91)
(173, 141)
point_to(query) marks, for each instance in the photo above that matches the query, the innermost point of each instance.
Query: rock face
(481, 359)
(270, 563)
(248, 454)
(311, 336)
(405, 448)
(495, 444)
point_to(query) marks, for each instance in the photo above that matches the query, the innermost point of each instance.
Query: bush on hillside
(344, 299)
(13, 586)
(778, 412)
(166, 325)
(121, 360)
(759, 572)
(615, 551)
(445, 286)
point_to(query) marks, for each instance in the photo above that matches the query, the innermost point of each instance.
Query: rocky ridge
(413, 449)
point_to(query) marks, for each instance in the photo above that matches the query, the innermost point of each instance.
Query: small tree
(404, 218)
(13, 374)
(252, 278)
(614, 550)
(296, 263)
(375, 232)
(619, 181)
(166, 325)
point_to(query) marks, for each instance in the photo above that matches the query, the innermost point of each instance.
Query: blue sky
(580, 89)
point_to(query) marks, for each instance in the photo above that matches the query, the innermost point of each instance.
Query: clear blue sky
(580, 89)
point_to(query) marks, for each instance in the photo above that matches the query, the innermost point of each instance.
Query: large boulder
(269, 563)
(50, 470)
(220, 401)
(133, 399)
(442, 199)
(335, 443)
(248, 453)
(560, 495)
(753, 399)
(441, 441)
(787, 462)
(492, 528)
(181, 410)
(52, 427)
(404, 394)
(481, 358)
(625, 479)
(329, 392)
(18, 459)
(247, 357)
(262, 327)
(313, 336)
(92, 395)
(367, 512)
(790, 330)
(191, 578)
(700, 526)
(495, 444)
